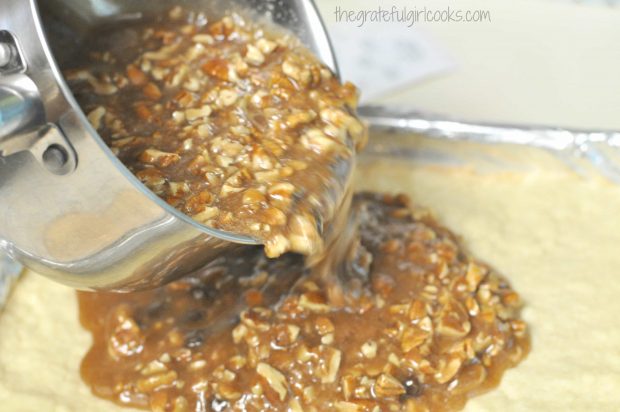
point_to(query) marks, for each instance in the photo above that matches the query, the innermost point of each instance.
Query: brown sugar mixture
(246, 131)
(429, 328)
(242, 129)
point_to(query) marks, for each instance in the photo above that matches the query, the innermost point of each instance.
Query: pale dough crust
(554, 235)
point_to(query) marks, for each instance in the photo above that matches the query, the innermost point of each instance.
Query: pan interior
(69, 24)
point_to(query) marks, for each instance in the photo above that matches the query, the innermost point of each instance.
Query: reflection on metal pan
(396, 132)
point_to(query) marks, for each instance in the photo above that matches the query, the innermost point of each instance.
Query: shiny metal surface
(20, 110)
(586, 152)
(9, 274)
(78, 215)
(5, 54)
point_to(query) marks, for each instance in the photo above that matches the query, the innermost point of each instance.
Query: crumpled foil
(397, 132)
(586, 152)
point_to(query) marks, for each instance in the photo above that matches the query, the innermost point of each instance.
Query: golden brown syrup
(248, 132)
(242, 129)
(419, 326)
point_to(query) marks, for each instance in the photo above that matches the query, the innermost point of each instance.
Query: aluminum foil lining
(594, 153)
(437, 140)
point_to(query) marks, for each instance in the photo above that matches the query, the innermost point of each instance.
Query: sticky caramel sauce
(423, 327)
(238, 127)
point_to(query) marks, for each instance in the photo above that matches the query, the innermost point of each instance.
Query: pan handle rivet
(55, 157)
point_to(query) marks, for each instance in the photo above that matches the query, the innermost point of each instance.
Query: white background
(539, 61)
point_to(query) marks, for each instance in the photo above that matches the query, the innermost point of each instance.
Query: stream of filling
(245, 131)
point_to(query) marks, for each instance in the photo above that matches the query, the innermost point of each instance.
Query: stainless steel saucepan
(68, 208)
